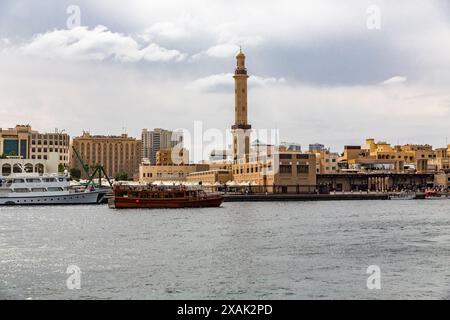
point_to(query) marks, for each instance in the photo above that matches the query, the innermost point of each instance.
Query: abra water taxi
(151, 196)
(47, 189)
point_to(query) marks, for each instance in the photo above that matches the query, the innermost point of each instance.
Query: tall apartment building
(158, 139)
(26, 143)
(116, 154)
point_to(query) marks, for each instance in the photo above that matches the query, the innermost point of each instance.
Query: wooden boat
(151, 196)
(433, 195)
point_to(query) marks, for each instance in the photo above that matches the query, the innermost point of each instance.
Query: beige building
(19, 165)
(117, 154)
(26, 143)
(383, 156)
(211, 177)
(169, 157)
(326, 161)
(152, 173)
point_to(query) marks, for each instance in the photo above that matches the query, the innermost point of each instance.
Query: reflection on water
(311, 250)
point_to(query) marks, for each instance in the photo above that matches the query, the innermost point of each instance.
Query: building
(175, 173)
(326, 161)
(291, 146)
(316, 147)
(169, 157)
(117, 154)
(383, 156)
(218, 155)
(210, 177)
(26, 143)
(19, 165)
(374, 181)
(157, 139)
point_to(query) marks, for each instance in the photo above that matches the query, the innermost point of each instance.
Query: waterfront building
(117, 154)
(399, 158)
(175, 173)
(23, 142)
(213, 177)
(17, 164)
(374, 181)
(158, 139)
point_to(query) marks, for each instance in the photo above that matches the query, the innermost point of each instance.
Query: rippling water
(295, 250)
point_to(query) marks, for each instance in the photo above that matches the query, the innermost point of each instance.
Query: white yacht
(35, 189)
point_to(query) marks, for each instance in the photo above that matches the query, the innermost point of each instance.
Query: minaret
(241, 129)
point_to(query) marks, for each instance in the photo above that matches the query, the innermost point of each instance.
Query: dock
(305, 197)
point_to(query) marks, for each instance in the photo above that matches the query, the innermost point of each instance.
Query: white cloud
(394, 80)
(224, 82)
(224, 50)
(99, 43)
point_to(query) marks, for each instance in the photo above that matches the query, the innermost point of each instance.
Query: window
(301, 168)
(302, 156)
(285, 156)
(285, 169)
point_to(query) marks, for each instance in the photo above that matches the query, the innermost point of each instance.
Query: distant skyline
(318, 73)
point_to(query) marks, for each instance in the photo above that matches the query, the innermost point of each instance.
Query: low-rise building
(210, 177)
(18, 165)
(152, 173)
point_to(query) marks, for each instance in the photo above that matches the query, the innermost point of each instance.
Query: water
(294, 250)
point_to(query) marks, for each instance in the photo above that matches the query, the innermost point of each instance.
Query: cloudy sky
(324, 71)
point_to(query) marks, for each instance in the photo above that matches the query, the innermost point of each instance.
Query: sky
(333, 72)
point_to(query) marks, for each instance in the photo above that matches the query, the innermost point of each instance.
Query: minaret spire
(241, 128)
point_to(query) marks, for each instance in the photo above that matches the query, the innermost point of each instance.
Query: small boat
(403, 196)
(152, 196)
(434, 195)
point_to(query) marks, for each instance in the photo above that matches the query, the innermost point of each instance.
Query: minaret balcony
(241, 126)
(240, 71)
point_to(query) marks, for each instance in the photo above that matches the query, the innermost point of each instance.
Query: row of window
(294, 156)
(163, 174)
(45, 199)
(45, 150)
(382, 156)
(45, 157)
(301, 168)
(49, 142)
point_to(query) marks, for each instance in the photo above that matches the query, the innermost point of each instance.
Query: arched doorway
(6, 169)
(17, 168)
(29, 168)
(39, 168)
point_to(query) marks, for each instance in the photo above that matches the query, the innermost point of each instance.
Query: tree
(75, 173)
(121, 176)
(61, 168)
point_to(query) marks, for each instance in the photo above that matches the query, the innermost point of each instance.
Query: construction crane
(98, 169)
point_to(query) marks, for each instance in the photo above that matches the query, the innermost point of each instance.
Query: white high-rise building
(158, 139)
